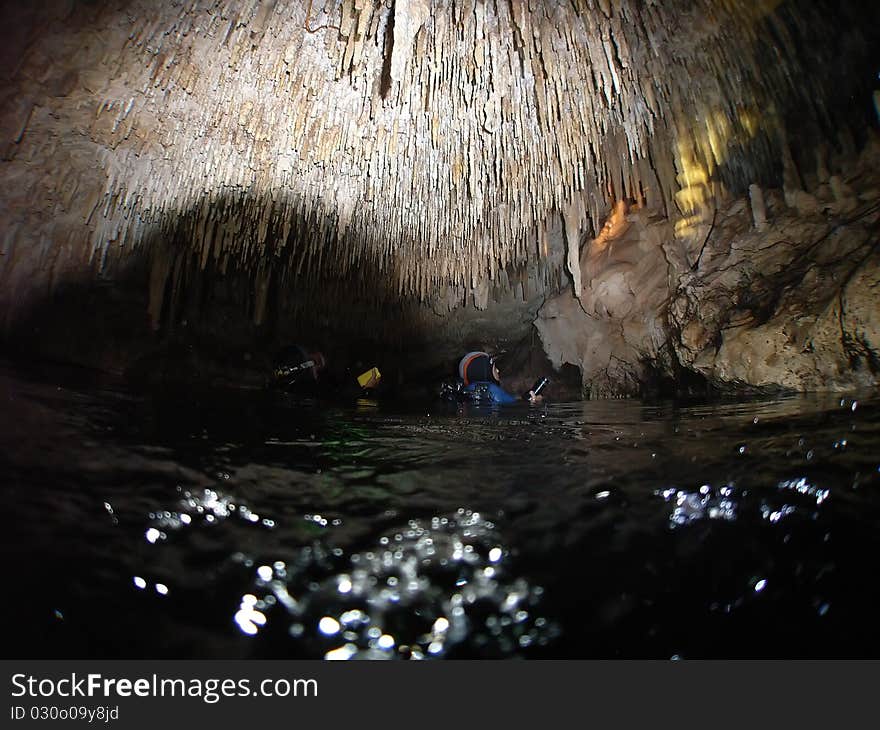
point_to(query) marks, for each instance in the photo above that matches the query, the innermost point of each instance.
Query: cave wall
(774, 291)
(789, 302)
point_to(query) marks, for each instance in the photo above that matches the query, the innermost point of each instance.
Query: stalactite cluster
(411, 146)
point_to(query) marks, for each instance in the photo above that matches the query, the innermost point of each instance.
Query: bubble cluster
(435, 587)
(724, 503)
(706, 503)
(802, 486)
(205, 506)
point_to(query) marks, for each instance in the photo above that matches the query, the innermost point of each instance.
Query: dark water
(235, 524)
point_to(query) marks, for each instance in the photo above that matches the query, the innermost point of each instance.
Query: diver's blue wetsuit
(487, 391)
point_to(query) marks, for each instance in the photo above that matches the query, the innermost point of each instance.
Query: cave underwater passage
(670, 210)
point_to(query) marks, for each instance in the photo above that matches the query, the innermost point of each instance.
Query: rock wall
(775, 291)
(615, 332)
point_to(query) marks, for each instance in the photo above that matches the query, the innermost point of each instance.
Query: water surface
(223, 523)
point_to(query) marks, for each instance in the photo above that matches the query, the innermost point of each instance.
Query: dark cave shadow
(206, 329)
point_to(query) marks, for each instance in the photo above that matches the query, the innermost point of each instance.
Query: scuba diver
(296, 369)
(480, 381)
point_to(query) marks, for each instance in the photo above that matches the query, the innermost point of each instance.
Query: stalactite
(759, 209)
(572, 237)
(428, 140)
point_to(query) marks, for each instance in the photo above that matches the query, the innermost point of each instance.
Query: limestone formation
(792, 308)
(759, 210)
(616, 333)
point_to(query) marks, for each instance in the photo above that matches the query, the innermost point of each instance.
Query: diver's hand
(535, 398)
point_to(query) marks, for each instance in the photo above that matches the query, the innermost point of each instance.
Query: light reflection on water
(228, 524)
(431, 586)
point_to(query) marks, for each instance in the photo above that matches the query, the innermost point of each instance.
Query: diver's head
(476, 367)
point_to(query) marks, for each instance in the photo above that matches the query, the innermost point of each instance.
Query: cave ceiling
(404, 148)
